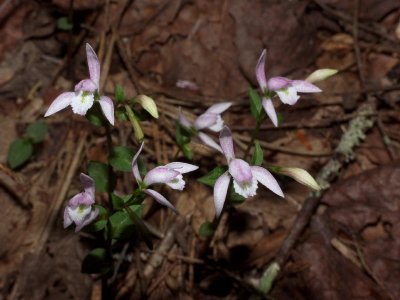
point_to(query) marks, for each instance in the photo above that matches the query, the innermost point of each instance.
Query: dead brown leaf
(366, 208)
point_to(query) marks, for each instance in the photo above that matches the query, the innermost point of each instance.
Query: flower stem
(109, 150)
(253, 137)
(109, 140)
(108, 239)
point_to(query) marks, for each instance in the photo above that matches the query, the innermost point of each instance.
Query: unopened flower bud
(300, 175)
(135, 124)
(320, 75)
(148, 104)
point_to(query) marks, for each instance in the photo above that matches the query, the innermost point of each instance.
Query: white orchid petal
(205, 121)
(209, 141)
(265, 178)
(88, 219)
(82, 102)
(182, 119)
(218, 125)
(177, 183)
(93, 64)
(160, 175)
(277, 83)
(260, 71)
(79, 213)
(81, 199)
(240, 171)
(219, 108)
(288, 95)
(86, 85)
(270, 110)
(159, 198)
(67, 219)
(247, 189)
(302, 86)
(135, 169)
(226, 141)
(181, 167)
(61, 102)
(220, 191)
(88, 185)
(107, 106)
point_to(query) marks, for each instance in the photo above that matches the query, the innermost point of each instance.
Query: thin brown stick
(348, 19)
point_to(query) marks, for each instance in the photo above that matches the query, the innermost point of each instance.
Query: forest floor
(342, 244)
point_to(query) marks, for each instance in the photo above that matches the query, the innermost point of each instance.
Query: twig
(346, 18)
(304, 125)
(131, 71)
(167, 242)
(285, 149)
(369, 271)
(385, 139)
(161, 277)
(12, 185)
(343, 154)
(119, 263)
(356, 46)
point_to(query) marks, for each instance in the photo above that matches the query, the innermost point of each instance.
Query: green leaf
(19, 152)
(97, 261)
(37, 131)
(275, 169)
(121, 158)
(119, 93)
(124, 224)
(121, 114)
(95, 115)
(206, 230)
(64, 23)
(100, 174)
(255, 104)
(280, 117)
(234, 197)
(101, 220)
(210, 178)
(182, 135)
(117, 202)
(258, 155)
(187, 151)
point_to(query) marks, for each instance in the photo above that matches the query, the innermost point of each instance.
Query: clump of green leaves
(21, 150)
(183, 136)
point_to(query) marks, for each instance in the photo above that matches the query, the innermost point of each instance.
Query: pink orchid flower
(170, 174)
(86, 92)
(285, 88)
(245, 177)
(210, 119)
(80, 207)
